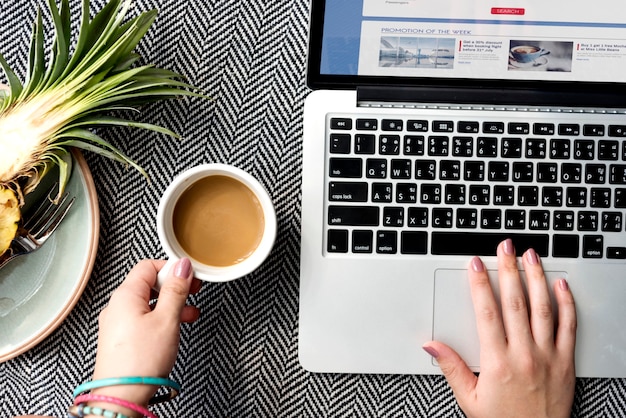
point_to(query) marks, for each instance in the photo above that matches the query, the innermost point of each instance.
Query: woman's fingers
(488, 320)
(512, 299)
(566, 332)
(541, 316)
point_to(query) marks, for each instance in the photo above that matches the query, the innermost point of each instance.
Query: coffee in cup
(527, 53)
(218, 216)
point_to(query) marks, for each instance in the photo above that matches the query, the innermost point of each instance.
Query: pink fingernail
(477, 265)
(532, 256)
(563, 284)
(183, 268)
(508, 247)
(431, 351)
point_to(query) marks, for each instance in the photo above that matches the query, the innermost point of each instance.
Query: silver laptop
(434, 131)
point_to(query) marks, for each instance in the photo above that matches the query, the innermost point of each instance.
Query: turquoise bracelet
(133, 380)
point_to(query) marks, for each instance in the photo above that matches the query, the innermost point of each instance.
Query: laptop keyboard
(459, 187)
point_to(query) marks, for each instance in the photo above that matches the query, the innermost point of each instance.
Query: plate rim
(94, 237)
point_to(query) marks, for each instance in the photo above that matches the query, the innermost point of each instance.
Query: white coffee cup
(174, 250)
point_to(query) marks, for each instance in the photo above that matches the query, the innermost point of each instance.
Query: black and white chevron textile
(240, 358)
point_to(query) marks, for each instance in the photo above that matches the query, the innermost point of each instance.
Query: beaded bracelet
(83, 399)
(79, 411)
(134, 380)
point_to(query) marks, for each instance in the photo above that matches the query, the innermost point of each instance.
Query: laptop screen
(512, 42)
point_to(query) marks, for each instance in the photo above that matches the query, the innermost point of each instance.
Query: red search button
(507, 11)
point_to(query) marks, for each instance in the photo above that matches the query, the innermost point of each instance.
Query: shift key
(353, 215)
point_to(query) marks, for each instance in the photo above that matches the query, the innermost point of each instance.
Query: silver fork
(38, 227)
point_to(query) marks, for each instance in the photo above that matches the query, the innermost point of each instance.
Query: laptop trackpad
(454, 321)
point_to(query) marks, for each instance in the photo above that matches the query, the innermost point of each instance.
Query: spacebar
(485, 243)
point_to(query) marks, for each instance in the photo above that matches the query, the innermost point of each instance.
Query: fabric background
(240, 358)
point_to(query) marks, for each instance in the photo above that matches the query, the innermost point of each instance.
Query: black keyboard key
(563, 220)
(417, 125)
(620, 198)
(560, 149)
(528, 195)
(608, 150)
(387, 242)
(503, 195)
(498, 171)
(565, 246)
(462, 146)
(413, 242)
(425, 169)
(438, 146)
(490, 218)
(393, 216)
(612, 221)
(347, 192)
(584, 149)
(618, 253)
(354, 215)
(367, 124)
(362, 241)
(382, 192)
(617, 174)
(337, 241)
(593, 130)
(392, 125)
(536, 148)
(406, 193)
(600, 198)
(493, 127)
(617, 131)
(485, 243)
(376, 168)
(576, 197)
(417, 217)
(595, 173)
(364, 144)
(341, 123)
(571, 173)
(389, 144)
(487, 147)
(430, 194)
(518, 128)
(593, 246)
(515, 219)
(511, 148)
(345, 167)
(588, 220)
(474, 170)
(449, 170)
(539, 220)
(443, 126)
(552, 196)
(479, 194)
(464, 127)
(569, 129)
(442, 218)
(400, 169)
(455, 194)
(414, 144)
(543, 129)
(340, 143)
(523, 171)
(547, 172)
(466, 218)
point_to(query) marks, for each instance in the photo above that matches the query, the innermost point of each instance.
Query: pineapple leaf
(36, 56)
(96, 120)
(61, 50)
(14, 82)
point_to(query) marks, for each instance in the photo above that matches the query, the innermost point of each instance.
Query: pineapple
(66, 94)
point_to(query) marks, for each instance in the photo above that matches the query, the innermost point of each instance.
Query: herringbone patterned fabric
(240, 358)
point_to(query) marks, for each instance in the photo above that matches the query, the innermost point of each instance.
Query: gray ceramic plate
(38, 291)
